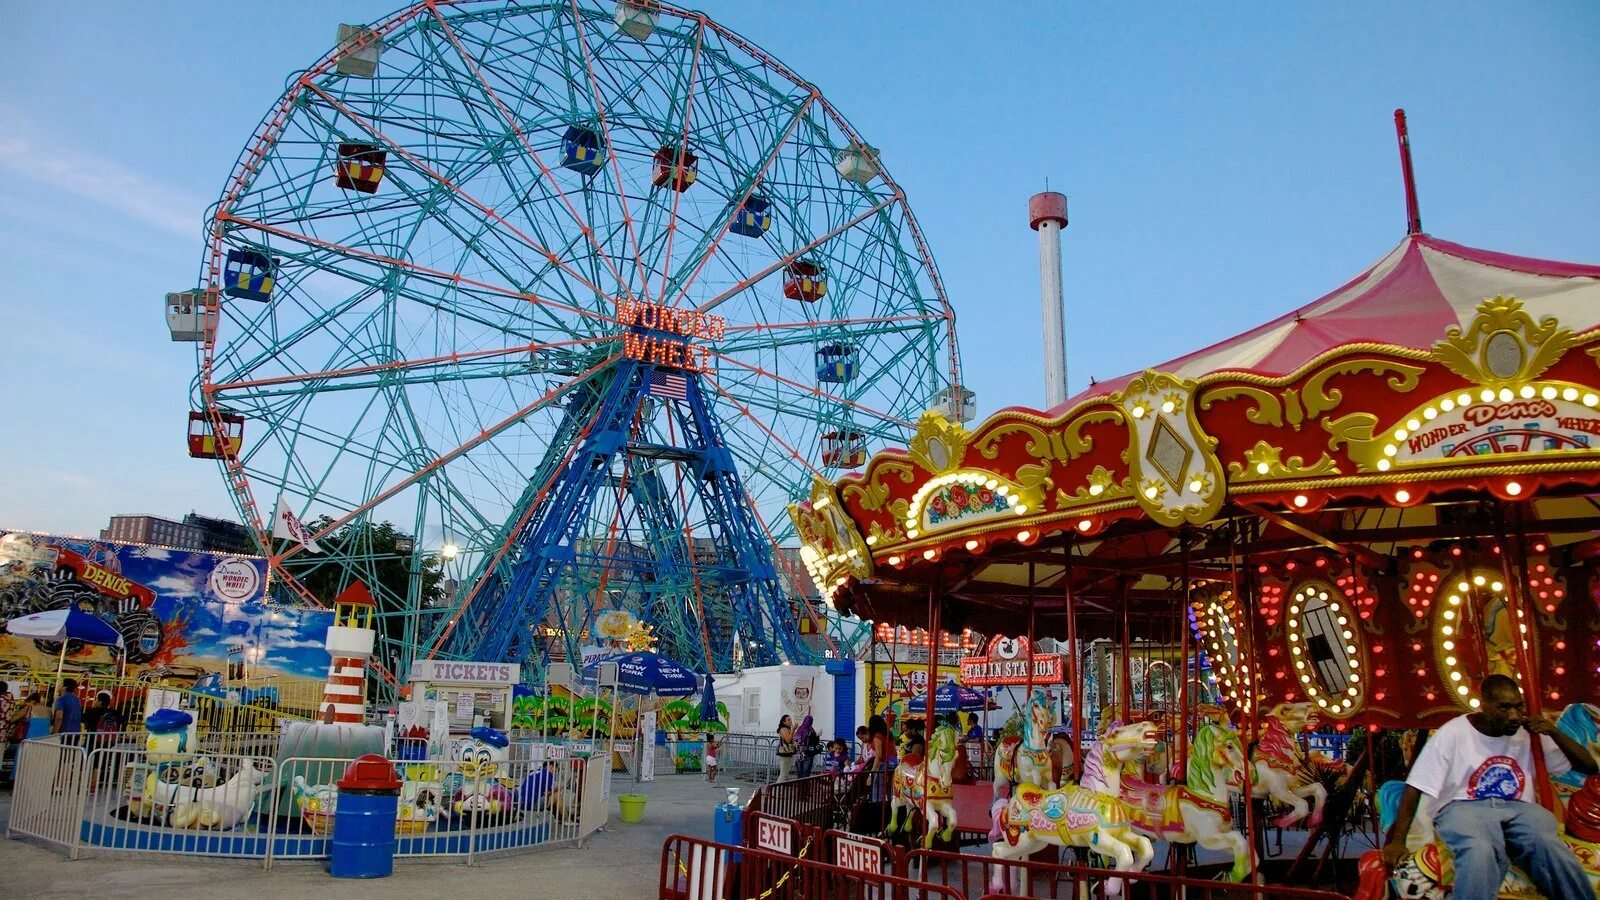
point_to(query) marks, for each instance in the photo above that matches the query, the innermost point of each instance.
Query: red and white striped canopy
(1409, 298)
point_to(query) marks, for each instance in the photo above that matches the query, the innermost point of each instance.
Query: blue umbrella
(708, 702)
(948, 698)
(69, 624)
(647, 673)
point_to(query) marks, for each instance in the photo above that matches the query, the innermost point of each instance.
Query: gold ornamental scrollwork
(1265, 462)
(874, 492)
(1355, 432)
(1171, 460)
(939, 443)
(1294, 407)
(1102, 485)
(1058, 444)
(1317, 399)
(1503, 345)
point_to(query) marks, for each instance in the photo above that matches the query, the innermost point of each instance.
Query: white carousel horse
(1284, 772)
(1026, 759)
(911, 792)
(1076, 815)
(1200, 811)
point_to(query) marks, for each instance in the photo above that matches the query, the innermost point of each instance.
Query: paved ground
(621, 861)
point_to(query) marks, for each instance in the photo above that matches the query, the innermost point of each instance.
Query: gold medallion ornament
(830, 544)
(1175, 471)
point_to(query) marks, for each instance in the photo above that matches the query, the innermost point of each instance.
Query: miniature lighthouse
(1047, 213)
(349, 643)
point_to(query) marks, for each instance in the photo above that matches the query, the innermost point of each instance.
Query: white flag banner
(286, 526)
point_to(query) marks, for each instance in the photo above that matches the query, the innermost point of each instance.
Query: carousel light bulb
(1400, 434)
(972, 545)
(1514, 488)
(894, 560)
(1486, 395)
(1547, 392)
(1085, 524)
(911, 533)
(1402, 496)
(1262, 468)
(1447, 630)
(1569, 394)
(1151, 492)
(1096, 490)
(1138, 412)
(1022, 509)
(1430, 414)
(1506, 395)
(1301, 500)
(1497, 586)
(1447, 404)
(1591, 399)
(1455, 676)
(1462, 690)
(1473, 703)
(1413, 424)
(1479, 580)
(1526, 392)
(1450, 660)
(1305, 679)
(1390, 450)
(1168, 407)
(929, 554)
(1448, 645)
(1197, 485)
(1383, 465)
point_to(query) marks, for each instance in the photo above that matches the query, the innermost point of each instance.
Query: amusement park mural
(180, 612)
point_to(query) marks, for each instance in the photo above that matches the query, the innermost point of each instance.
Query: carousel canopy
(1428, 431)
(1409, 298)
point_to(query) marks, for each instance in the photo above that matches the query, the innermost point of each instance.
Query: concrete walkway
(621, 861)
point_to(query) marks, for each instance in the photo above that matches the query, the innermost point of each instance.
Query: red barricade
(695, 869)
(972, 876)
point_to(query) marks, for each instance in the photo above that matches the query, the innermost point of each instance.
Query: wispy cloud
(103, 180)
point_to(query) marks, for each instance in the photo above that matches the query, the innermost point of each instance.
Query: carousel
(1337, 522)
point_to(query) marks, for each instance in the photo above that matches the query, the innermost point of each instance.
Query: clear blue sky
(1224, 162)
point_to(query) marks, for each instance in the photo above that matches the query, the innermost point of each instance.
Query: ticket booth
(451, 697)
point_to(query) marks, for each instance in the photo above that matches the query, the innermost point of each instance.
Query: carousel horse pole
(1200, 811)
(1026, 759)
(924, 785)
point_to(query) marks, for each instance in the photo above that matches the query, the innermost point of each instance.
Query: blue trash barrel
(728, 826)
(364, 841)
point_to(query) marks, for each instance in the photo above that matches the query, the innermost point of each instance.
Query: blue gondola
(248, 275)
(836, 363)
(753, 219)
(582, 151)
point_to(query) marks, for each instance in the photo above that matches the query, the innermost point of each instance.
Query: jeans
(1486, 836)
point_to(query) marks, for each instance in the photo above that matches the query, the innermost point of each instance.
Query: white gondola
(186, 315)
(956, 404)
(359, 61)
(636, 18)
(857, 163)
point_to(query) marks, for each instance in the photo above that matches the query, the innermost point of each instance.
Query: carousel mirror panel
(1325, 644)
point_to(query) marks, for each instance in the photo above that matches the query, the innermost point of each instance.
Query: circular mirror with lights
(1325, 645)
(1475, 633)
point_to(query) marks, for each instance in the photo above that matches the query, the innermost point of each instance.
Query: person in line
(974, 730)
(38, 717)
(711, 757)
(864, 759)
(1478, 768)
(883, 758)
(786, 748)
(68, 718)
(837, 757)
(100, 717)
(810, 747)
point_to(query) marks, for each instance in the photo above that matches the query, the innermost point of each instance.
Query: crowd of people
(36, 714)
(880, 745)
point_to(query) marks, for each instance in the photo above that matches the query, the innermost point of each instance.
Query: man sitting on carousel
(1478, 768)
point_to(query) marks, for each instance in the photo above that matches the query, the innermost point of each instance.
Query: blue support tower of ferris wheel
(538, 599)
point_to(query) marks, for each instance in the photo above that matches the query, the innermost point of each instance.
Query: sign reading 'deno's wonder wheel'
(1007, 661)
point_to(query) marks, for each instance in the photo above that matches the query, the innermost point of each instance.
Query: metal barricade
(695, 869)
(48, 792)
(202, 804)
(812, 801)
(971, 875)
(764, 831)
(748, 757)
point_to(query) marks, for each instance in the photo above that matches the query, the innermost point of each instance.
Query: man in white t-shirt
(1478, 768)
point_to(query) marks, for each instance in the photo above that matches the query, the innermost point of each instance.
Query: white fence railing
(748, 757)
(115, 799)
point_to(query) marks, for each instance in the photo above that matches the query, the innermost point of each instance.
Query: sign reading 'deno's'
(1524, 425)
(1009, 661)
(458, 672)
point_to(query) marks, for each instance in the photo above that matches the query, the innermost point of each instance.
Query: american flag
(666, 384)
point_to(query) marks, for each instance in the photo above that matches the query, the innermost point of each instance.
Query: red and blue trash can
(364, 840)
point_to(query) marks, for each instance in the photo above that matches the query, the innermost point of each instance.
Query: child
(711, 758)
(837, 757)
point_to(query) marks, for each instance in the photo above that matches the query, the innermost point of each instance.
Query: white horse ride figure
(1200, 811)
(1284, 772)
(1077, 816)
(930, 795)
(1026, 760)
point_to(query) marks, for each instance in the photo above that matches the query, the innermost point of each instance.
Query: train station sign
(1008, 661)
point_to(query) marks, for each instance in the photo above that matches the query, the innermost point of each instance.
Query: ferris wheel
(582, 296)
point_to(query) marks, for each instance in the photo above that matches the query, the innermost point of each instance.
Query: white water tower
(1047, 213)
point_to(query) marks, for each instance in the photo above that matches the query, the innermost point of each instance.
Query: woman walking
(786, 748)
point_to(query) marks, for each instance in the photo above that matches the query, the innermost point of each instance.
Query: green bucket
(632, 807)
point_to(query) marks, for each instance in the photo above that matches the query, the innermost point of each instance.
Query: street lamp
(449, 551)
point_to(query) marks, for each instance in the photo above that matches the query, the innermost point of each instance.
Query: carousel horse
(1427, 873)
(1077, 815)
(1201, 810)
(931, 795)
(1284, 772)
(1581, 722)
(1026, 759)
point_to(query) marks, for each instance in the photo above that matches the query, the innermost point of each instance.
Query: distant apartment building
(153, 530)
(195, 532)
